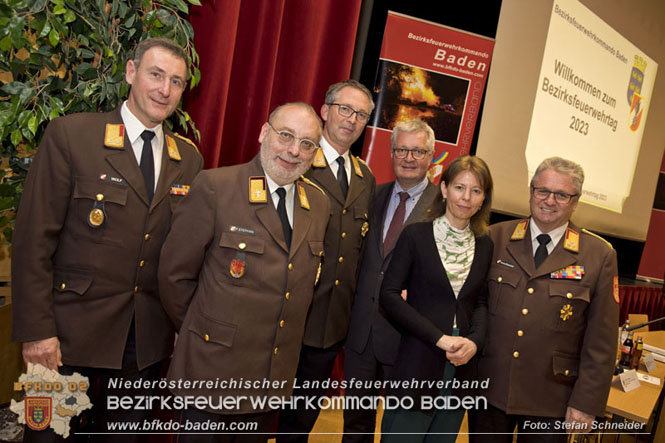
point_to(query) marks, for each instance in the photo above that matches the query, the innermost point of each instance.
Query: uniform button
(136, 289)
(500, 279)
(206, 337)
(343, 234)
(146, 237)
(141, 263)
(343, 211)
(242, 245)
(341, 259)
(276, 350)
(336, 282)
(530, 290)
(516, 354)
(62, 286)
(520, 333)
(281, 324)
(566, 372)
(525, 311)
(99, 197)
(569, 295)
(290, 266)
(288, 295)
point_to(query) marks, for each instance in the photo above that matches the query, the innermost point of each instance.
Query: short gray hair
(415, 125)
(562, 166)
(333, 90)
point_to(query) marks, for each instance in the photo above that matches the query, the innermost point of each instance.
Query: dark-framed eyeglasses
(285, 137)
(347, 111)
(559, 197)
(417, 154)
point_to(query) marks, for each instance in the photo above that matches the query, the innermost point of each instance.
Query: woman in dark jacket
(434, 291)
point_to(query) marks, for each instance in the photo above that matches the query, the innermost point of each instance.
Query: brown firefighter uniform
(328, 320)
(552, 333)
(237, 294)
(86, 245)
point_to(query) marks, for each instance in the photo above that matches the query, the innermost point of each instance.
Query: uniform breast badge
(239, 262)
(569, 272)
(364, 229)
(566, 312)
(97, 215)
(179, 190)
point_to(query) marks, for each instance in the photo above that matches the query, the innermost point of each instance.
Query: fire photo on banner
(431, 72)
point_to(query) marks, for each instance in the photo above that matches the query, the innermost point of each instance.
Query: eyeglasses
(306, 145)
(348, 111)
(559, 197)
(417, 154)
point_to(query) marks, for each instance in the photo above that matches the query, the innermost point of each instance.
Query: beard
(278, 173)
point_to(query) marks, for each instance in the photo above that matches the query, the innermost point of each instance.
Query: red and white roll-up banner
(431, 72)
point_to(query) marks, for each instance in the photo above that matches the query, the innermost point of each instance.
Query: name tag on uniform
(569, 272)
(179, 190)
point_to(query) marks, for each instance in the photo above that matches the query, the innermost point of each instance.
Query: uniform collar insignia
(572, 240)
(520, 230)
(258, 189)
(114, 136)
(319, 159)
(304, 202)
(356, 166)
(172, 147)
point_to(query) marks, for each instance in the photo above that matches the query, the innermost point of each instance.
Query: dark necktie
(395, 224)
(341, 176)
(541, 252)
(147, 163)
(281, 211)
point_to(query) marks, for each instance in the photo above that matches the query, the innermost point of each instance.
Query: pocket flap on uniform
(360, 213)
(89, 188)
(316, 248)
(501, 275)
(565, 364)
(242, 242)
(77, 282)
(213, 331)
(569, 290)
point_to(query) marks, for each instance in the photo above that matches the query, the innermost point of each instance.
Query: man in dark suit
(238, 271)
(350, 186)
(95, 210)
(554, 314)
(372, 342)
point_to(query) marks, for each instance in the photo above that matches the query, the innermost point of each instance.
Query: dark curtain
(257, 54)
(642, 300)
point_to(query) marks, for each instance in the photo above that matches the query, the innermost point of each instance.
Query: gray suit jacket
(365, 315)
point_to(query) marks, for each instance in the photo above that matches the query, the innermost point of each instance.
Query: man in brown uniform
(238, 272)
(350, 186)
(96, 208)
(554, 313)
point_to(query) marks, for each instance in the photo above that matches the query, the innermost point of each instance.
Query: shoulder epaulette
(365, 163)
(310, 182)
(186, 140)
(586, 231)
